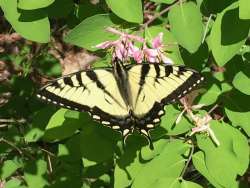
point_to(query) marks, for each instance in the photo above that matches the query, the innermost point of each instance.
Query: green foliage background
(43, 146)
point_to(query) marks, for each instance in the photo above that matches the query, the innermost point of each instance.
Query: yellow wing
(155, 85)
(94, 91)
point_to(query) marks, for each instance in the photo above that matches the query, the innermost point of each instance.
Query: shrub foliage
(43, 146)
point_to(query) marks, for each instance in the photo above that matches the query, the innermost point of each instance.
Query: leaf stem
(188, 161)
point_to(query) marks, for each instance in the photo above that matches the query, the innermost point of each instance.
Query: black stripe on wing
(93, 76)
(144, 71)
(190, 84)
(152, 117)
(59, 101)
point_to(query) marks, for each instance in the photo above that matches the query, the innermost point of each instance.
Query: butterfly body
(124, 98)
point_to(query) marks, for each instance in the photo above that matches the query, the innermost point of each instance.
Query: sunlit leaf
(33, 4)
(244, 9)
(32, 25)
(91, 32)
(186, 25)
(129, 10)
(233, 151)
(226, 44)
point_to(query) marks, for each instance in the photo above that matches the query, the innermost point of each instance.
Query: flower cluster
(201, 123)
(124, 48)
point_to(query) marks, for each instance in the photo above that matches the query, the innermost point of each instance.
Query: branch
(133, 37)
(12, 120)
(12, 145)
(161, 13)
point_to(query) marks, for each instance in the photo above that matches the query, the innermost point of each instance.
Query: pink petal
(165, 59)
(138, 56)
(132, 48)
(157, 41)
(120, 51)
(151, 55)
(150, 52)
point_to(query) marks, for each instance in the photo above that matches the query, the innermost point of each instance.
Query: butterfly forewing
(92, 91)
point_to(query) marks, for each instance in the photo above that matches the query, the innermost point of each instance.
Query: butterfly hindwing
(94, 91)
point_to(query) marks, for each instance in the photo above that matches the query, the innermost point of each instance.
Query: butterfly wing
(93, 91)
(155, 85)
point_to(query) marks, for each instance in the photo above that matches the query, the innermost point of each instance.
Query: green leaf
(91, 32)
(34, 4)
(59, 127)
(67, 175)
(173, 183)
(238, 111)
(69, 151)
(191, 59)
(39, 121)
(8, 168)
(49, 65)
(226, 44)
(129, 10)
(149, 154)
(163, 165)
(168, 122)
(186, 25)
(210, 96)
(241, 81)
(60, 8)
(199, 163)
(244, 9)
(239, 119)
(102, 139)
(87, 9)
(32, 25)
(128, 165)
(233, 151)
(13, 183)
(168, 41)
(35, 173)
(163, 1)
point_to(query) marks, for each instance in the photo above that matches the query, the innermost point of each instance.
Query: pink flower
(124, 48)
(157, 44)
(157, 41)
(151, 55)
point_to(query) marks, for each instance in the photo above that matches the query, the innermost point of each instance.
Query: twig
(12, 145)
(212, 109)
(160, 14)
(50, 169)
(3, 125)
(134, 37)
(48, 152)
(12, 120)
(188, 161)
